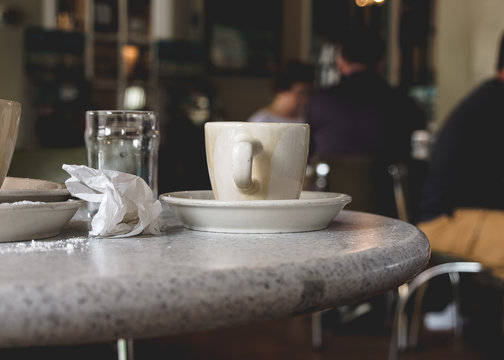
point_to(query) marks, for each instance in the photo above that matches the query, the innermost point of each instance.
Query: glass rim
(120, 112)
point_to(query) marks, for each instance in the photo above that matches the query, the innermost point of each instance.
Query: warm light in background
(130, 55)
(362, 3)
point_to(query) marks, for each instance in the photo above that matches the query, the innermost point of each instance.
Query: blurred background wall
(11, 57)
(464, 36)
(467, 40)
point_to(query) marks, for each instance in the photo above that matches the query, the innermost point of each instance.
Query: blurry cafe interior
(197, 61)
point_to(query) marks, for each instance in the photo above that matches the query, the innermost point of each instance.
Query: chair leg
(125, 349)
(316, 328)
(457, 316)
(399, 330)
(398, 340)
(416, 317)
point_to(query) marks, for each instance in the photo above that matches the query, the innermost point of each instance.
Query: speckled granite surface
(71, 289)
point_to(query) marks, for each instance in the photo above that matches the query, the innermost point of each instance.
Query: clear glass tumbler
(126, 141)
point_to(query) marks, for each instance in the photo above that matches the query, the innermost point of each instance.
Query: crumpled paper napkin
(127, 204)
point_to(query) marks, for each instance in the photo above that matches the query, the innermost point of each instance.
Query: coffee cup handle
(242, 156)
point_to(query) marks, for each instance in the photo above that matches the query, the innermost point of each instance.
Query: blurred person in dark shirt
(462, 203)
(363, 115)
(463, 198)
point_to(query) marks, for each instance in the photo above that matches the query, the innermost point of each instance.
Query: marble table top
(73, 289)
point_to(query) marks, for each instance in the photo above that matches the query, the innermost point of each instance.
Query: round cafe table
(72, 289)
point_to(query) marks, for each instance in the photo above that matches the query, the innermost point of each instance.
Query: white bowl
(19, 189)
(27, 220)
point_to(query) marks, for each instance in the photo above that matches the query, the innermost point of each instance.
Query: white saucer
(19, 189)
(28, 220)
(198, 210)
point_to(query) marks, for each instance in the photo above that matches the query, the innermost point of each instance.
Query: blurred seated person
(462, 205)
(363, 115)
(292, 83)
(463, 199)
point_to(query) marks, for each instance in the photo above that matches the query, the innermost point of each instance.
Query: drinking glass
(126, 141)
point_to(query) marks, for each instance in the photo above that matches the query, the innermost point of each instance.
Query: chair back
(373, 186)
(45, 163)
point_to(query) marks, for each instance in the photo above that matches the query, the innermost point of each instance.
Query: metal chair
(357, 175)
(404, 335)
(405, 332)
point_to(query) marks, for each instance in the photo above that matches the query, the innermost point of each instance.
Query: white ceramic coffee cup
(10, 112)
(256, 161)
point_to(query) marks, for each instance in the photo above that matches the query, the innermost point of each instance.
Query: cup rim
(231, 123)
(10, 102)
